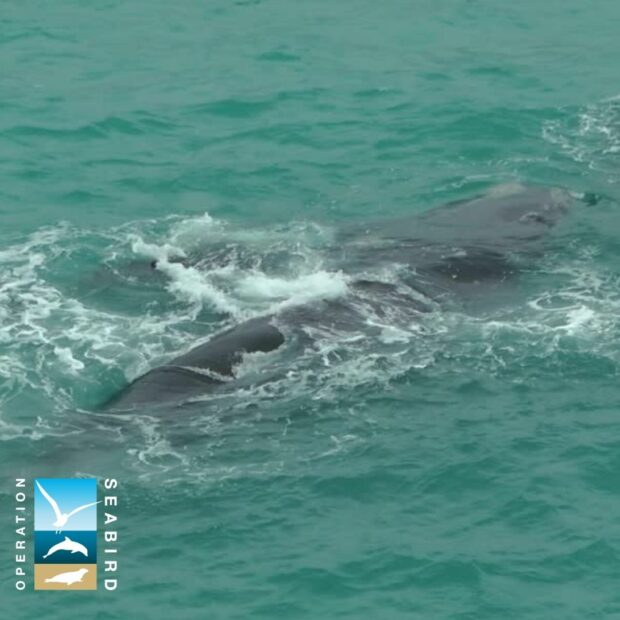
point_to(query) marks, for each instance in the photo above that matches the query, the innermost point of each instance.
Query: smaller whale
(68, 578)
(67, 545)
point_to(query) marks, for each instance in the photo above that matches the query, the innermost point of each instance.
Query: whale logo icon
(61, 518)
(68, 578)
(67, 545)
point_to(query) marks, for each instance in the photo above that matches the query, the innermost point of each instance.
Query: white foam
(154, 251)
(155, 450)
(292, 291)
(196, 287)
(579, 319)
(590, 137)
(65, 356)
(194, 231)
(238, 285)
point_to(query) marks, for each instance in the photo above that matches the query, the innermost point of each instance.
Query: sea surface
(467, 467)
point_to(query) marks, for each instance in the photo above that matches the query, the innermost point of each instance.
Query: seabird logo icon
(65, 533)
(61, 518)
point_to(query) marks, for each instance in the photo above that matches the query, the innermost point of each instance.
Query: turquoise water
(470, 472)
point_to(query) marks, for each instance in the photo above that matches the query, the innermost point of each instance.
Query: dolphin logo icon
(67, 545)
(61, 518)
(68, 578)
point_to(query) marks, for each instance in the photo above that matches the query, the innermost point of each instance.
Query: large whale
(460, 249)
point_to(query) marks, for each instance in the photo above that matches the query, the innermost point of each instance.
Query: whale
(67, 545)
(68, 578)
(460, 250)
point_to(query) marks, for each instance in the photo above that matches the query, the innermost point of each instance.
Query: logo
(65, 534)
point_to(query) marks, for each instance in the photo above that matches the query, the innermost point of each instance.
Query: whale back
(202, 368)
(506, 216)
